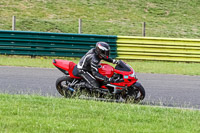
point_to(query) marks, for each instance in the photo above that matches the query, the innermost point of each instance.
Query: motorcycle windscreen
(122, 67)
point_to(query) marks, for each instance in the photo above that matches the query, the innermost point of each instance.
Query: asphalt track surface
(161, 89)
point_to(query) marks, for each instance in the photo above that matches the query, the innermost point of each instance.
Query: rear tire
(62, 86)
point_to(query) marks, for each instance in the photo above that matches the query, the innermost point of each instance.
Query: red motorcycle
(123, 88)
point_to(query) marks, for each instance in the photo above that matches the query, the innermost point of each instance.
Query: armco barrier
(149, 48)
(51, 44)
(76, 45)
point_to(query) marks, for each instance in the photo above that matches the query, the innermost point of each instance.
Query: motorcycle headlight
(133, 75)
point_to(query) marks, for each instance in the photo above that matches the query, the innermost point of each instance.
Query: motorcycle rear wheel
(136, 93)
(62, 86)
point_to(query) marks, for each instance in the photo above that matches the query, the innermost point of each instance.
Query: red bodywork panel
(128, 80)
(66, 65)
(106, 70)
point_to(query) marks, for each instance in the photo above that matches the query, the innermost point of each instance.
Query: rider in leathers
(88, 65)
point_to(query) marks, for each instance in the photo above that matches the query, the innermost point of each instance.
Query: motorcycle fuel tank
(106, 70)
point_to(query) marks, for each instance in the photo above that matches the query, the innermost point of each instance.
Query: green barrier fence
(76, 45)
(167, 49)
(51, 44)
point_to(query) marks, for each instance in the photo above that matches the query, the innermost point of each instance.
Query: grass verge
(114, 17)
(25, 113)
(182, 68)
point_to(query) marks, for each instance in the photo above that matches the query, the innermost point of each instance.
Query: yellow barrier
(151, 48)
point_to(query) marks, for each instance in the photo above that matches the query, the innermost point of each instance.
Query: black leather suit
(88, 68)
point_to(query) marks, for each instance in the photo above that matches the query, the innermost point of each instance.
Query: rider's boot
(79, 85)
(83, 84)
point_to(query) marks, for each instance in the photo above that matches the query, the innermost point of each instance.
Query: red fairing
(65, 65)
(106, 70)
(128, 80)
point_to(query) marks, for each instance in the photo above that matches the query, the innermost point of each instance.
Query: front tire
(136, 93)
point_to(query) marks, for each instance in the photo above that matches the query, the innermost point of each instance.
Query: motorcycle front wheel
(136, 93)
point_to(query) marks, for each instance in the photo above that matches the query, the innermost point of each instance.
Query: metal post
(13, 22)
(80, 26)
(144, 29)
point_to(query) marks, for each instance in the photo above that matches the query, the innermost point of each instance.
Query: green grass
(27, 61)
(170, 18)
(48, 114)
(182, 68)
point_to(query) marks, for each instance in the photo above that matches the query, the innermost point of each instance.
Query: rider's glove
(115, 61)
(110, 80)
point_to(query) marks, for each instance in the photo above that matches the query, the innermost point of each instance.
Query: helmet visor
(105, 54)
